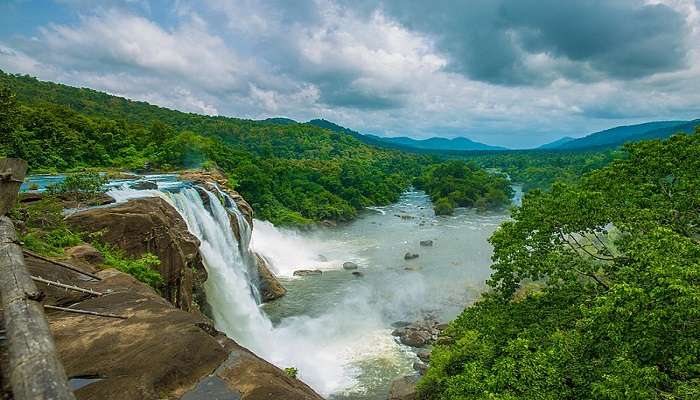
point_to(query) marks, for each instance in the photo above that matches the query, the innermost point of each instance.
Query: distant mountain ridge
(557, 143)
(629, 133)
(433, 143)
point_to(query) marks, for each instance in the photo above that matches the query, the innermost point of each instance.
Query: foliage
(462, 184)
(290, 173)
(42, 229)
(141, 268)
(539, 169)
(79, 187)
(291, 372)
(619, 250)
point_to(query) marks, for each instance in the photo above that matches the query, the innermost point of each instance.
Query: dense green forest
(458, 184)
(290, 173)
(595, 290)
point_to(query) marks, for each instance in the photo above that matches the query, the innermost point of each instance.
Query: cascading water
(229, 287)
(334, 328)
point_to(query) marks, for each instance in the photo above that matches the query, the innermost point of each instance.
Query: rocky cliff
(157, 352)
(151, 225)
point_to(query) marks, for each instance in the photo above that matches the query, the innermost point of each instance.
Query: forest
(292, 174)
(595, 291)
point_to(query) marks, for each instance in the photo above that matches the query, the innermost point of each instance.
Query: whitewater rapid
(334, 328)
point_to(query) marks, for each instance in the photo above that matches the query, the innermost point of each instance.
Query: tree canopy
(618, 255)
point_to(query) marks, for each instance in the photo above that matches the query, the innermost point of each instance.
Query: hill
(438, 143)
(291, 173)
(619, 135)
(557, 143)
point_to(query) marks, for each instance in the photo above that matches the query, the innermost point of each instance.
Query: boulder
(144, 185)
(151, 225)
(420, 367)
(415, 338)
(424, 355)
(404, 388)
(426, 243)
(410, 256)
(85, 253)
(307, 272)
(270, 288)
(349, 265)
(158, 352)
(419, 333)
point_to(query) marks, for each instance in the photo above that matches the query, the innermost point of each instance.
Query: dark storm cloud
(491, 40)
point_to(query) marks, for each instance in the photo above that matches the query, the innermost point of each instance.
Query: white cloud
(318, 58)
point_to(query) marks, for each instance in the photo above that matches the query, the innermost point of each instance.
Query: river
(335, 328)
(339, 324)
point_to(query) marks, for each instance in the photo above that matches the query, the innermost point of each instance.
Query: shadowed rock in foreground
(158, 352)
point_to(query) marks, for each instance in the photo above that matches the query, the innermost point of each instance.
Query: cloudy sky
(517, 73)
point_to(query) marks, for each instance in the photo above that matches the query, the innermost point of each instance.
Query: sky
(515, 73)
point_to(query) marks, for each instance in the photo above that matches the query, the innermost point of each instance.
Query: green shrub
(141, 268)
(79, 187)
(444, 206)
(42, 228)
(291, 372)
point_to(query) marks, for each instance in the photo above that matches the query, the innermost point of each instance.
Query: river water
(340, 324)
(335, 328)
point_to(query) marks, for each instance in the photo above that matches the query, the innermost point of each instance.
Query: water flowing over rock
(426, 243)
(214, 180)
(410, 256)
(150, 225)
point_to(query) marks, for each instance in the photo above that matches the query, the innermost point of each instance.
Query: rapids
(335, 328)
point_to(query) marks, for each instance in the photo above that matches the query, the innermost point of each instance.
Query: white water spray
(323, 348)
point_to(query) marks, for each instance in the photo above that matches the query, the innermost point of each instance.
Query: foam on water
(335, 328)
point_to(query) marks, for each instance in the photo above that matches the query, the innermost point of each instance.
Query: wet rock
(150, 225)
(329, 223)
(268, 285)
(400, 324)
(350, 265)
(210, 178)
(426, 243)
(358, 274)
(424, 355)
(144, 185)
(421, 367)
(404, 388)
(419, 333)
(444, 340)
(415, 338)
(307, 272)
(410, 256)
(410, 269)
(85, 253)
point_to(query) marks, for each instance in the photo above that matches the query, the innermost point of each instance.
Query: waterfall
(321, 347)
(231, 284)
